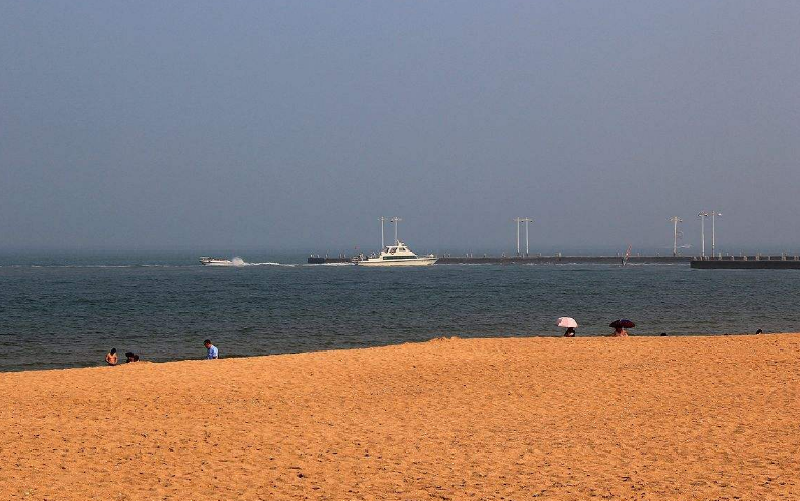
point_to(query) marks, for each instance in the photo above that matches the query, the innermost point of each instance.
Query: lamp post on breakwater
(526, 220)
(675, 220)
(517, 220)
(703, 215)
(714, 215)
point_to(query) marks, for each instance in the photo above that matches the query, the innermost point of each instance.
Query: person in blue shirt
(213, 352)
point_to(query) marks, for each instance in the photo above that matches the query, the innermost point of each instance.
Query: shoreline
(681, 417)
(100, 365)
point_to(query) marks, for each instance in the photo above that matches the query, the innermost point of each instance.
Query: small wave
(93, 266)
(74, 266)
(101, 266)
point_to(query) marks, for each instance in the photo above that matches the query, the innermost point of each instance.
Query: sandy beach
(515, 418)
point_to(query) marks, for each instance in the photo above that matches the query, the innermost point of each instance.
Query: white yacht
(396, 255)
(210, 261)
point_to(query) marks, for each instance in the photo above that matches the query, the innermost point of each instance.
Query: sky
(296, 125)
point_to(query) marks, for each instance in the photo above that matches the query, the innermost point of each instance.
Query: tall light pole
(382, 219)
(526, 221)
(395, 220)
(517, 220)
(703, 216)
(675, 220)
(714, 215)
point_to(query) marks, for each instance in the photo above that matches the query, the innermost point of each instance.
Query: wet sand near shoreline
(714, 417)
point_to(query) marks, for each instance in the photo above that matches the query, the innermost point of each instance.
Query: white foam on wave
(237, 261)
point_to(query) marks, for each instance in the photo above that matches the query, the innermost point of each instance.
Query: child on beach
(111, 357)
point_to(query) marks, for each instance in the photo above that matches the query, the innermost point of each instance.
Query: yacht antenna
(395, 220)
(382, 219)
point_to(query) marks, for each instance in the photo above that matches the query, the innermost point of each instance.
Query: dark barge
(557, 259)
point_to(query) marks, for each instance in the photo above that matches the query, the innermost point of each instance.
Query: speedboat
(210, 261)
(396, 255)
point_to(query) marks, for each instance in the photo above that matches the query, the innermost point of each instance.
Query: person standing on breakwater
(111, 357)
(213, 352)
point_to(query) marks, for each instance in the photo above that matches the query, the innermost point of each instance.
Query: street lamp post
(517, 220)
(703, 216)
(675, 220)
(714, 215)
(526, 221)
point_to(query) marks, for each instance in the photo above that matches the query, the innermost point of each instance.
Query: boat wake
(269, 263)
(237, 261)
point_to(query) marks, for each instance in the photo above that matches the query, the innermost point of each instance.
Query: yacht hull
(207, 261)
(422, 261)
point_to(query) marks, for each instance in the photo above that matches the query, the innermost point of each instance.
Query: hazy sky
(296, 124)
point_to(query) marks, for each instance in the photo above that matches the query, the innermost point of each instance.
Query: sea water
(68, 310)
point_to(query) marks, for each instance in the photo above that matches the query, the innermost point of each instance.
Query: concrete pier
(757, 262)
(564, 260)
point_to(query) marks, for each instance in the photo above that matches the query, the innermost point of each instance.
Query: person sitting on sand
(129, 357)
(111, 357)
(213, 352)
(136, 358)
(570, 332)
(620, 327)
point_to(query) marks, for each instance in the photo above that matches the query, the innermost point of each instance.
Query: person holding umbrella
(620, 327)
(570, 325)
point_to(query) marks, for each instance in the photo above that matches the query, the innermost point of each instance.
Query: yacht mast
(382, 219)
(395, 220)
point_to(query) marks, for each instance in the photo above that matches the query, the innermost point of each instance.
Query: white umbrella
(567, 322)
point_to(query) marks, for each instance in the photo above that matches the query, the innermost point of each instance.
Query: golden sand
(532, 418)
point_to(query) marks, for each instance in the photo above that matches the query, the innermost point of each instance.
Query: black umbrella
(622, 323)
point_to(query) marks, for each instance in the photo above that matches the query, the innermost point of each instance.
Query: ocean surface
(68, 310)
